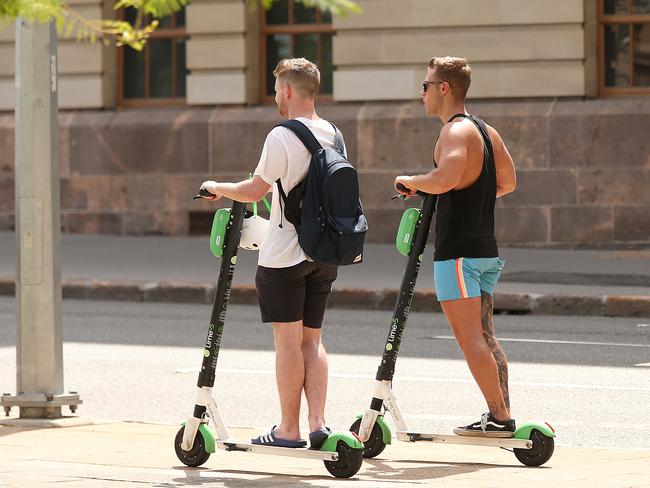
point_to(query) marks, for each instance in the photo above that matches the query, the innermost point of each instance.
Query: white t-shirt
(285, 158)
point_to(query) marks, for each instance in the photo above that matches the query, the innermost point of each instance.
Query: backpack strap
(339, 142)
(304, 134)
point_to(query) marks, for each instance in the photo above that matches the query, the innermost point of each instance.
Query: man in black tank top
(472, 167)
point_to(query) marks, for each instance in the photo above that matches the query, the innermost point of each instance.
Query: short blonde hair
(455, 71)
(300, 73)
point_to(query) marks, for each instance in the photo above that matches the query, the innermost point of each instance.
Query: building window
(291, 30)
(624, 46)
(156, 75)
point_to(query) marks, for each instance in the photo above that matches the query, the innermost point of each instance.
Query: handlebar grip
(401, 187)
(202, 193)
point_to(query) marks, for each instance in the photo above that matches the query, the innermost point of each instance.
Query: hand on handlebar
(404, 187)
(208, 191)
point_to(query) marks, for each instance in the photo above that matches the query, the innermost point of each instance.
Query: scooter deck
(302, 452)
(465, 440)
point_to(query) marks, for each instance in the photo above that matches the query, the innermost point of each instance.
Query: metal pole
(39, 350)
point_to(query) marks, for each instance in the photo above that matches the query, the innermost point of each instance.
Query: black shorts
(295, 293)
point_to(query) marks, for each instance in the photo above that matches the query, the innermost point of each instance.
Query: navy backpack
(325, 207)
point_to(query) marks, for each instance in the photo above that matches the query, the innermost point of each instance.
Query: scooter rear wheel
(375, 445)
(195, 456)
(348, 464)
(542, 450)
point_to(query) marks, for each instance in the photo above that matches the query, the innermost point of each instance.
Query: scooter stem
(222, 296)
(402, 308)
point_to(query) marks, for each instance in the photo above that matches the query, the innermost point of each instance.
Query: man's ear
(288, 90)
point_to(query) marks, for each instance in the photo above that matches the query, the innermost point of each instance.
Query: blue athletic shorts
(466, 277)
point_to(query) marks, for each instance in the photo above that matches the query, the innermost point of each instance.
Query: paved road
(132, 361)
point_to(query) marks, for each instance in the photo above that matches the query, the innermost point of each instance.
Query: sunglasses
(425, 84)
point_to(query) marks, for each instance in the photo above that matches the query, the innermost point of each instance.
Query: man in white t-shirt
(292, 290)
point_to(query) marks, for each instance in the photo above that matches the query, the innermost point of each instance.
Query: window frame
(291, 29)
(173, 32)
(617, 19)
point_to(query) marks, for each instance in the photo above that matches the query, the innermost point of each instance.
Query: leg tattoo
(487, 304)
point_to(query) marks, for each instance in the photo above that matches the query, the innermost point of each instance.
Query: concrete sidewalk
(154, 268)
(130, 454)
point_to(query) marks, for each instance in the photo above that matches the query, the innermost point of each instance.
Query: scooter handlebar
(202, 193)
(401, 187)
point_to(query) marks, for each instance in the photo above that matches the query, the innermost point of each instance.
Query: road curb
(424, 300)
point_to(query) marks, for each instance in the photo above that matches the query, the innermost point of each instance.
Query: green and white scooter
(205, 431)
(533, 442)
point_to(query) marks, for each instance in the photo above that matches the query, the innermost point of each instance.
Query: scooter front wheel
(375, 445)
(349, 462)
(542, 450)
(195, 456)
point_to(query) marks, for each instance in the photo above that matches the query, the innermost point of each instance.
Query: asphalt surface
(587, 376)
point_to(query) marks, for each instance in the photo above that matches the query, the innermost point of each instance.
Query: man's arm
(505, 166)
(451, 164)
(246, 191)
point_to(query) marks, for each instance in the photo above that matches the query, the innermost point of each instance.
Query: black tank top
(465, 218)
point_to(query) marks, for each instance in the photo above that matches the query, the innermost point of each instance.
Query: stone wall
(583, 166)
(517, 48)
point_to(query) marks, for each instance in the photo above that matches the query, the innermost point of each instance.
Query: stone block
(396, 138)
(179, 292)
(152, 141)
(94, 193)
(627, 306)
(542, 187)
(218, 52)
(238, 137)
(513, 303)
(632, 224)
(522, 225)
(79, 57)
(439, 13)
(527, 79)
(92, 223)
(210, 17)
(605, 140)
(386, 83)
(614, 187)
(81, 91)
(525, 135)
(553, 304)
(478, 44)
(582, 225)
(216, 87)
(112, 290)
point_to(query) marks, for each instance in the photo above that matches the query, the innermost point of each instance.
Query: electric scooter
(341, 452)
(532, 443)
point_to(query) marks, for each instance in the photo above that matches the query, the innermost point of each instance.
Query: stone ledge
(424, 300)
